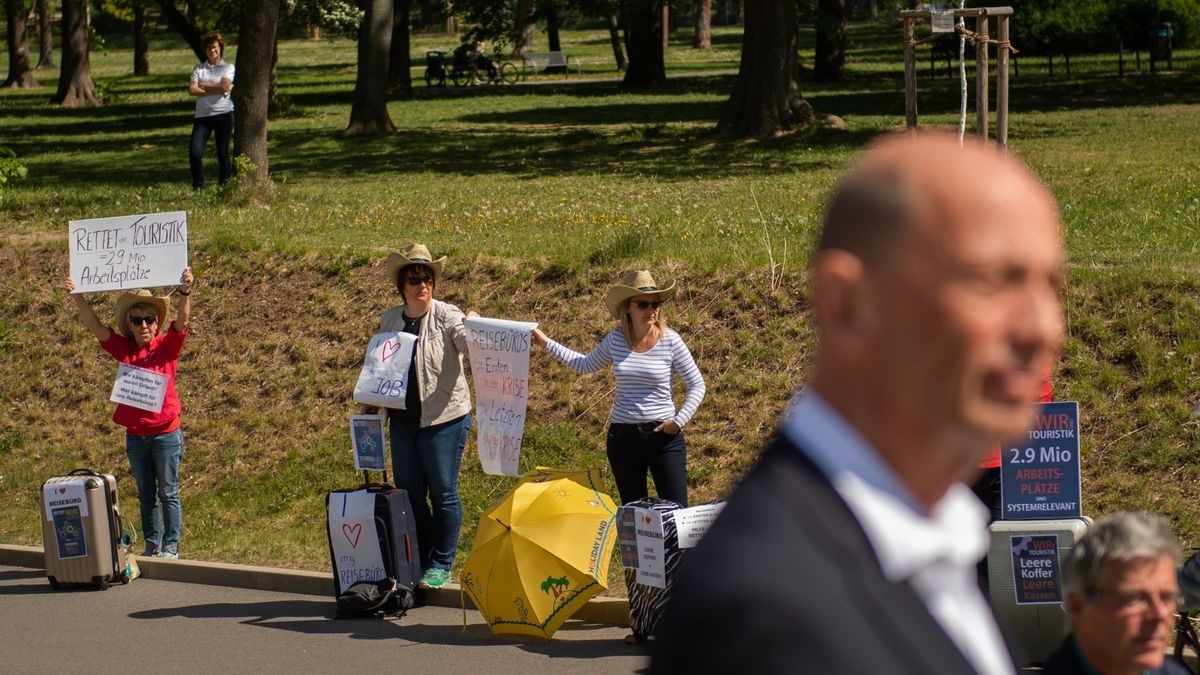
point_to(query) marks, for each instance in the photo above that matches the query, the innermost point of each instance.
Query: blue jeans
(155, 463)
(425, 462)
(202, 128)
(634, 448)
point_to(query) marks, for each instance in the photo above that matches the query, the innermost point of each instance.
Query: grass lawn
(540, 193)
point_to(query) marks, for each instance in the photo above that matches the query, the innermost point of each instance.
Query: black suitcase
(646, 603)
(396, 528)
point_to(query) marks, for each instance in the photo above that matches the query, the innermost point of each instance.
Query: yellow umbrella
(541, 551)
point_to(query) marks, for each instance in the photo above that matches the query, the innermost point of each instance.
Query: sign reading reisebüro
(1039, 473)
(127, 252)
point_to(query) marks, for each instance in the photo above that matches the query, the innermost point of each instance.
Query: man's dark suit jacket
(1068, 661)
(786, 582)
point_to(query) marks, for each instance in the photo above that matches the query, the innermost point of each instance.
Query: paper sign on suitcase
(383, 381)
(353, 537)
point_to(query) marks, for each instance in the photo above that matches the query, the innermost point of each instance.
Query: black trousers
(634, 448)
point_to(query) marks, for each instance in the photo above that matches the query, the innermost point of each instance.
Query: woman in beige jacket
(429, 434)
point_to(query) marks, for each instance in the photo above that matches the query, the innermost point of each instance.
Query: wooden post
(1002, 53)
(981, 78)
(910, 74)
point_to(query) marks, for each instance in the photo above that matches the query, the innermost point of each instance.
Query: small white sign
(383, 380)
(942, 20)
(127, 252)
(652, 569)
(65, 494)
(692, 523)
(354, 539)
(139, 388)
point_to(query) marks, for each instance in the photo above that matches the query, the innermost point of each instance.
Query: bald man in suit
(851, 546)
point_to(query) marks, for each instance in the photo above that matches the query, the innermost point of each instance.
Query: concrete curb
(612, 611)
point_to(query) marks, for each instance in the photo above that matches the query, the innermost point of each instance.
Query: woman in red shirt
(153, 440)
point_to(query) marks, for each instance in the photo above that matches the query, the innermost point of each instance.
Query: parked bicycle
(440, 66)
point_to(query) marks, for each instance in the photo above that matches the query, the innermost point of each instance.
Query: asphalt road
(163, 626)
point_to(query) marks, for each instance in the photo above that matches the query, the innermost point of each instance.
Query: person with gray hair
(1121, 595)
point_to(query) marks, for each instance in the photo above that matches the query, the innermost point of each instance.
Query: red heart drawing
(62, 491)
(355, 530)
(389, 350)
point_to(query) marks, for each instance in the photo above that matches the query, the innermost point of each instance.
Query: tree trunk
(552, 26)
(666, 26)
(831, 39)
(642, 20)
(75, 86)
(702, 39)
(369, 114)
(400, 61)
(20, 74)
(181, 25)
(614, 35)
(189, 7)
(141, 40)
(523, 27)
(430, 13)
(252, 95)
(766, 98)
(45, 35)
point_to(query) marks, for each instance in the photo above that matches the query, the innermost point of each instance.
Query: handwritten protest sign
(383, 380)
(366, 434)
(139, 388)
(128, 251)
(499, 352)
(353, 537)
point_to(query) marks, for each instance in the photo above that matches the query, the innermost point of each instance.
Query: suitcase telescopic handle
(84, 472)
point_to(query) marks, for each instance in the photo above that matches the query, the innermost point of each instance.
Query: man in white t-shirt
(212, 83)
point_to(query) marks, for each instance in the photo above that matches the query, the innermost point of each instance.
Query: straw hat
(414, 254)
(639, 282)
(139, 297)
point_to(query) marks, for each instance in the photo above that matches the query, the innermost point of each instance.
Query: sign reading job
(128, 252)
(383, 380)
(499, 352)
(1039, 473)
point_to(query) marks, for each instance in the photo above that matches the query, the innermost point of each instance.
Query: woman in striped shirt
(645, 429)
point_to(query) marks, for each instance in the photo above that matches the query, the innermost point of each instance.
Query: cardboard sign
(1036, 574)
(383, 380)
(499, 352)
(64, 494)
(139, 388)
(354, 539)
(692, 523)
(366, 435)
(128, 252)
(1039, 473)
(942, 20)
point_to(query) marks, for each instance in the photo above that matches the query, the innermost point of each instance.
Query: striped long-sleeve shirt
(643, 379)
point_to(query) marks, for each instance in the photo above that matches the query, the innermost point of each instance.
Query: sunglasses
(418, 280)
(143, 320)
(648, 304)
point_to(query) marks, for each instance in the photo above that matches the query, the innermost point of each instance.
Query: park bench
(536, 62)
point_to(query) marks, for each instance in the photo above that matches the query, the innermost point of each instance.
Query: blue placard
(366, 435)
(1039, 473)
(1036, 572)
(627, 536)
(68, 530)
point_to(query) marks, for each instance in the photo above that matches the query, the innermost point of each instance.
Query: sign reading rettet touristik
(127, 252)
(1039, 473)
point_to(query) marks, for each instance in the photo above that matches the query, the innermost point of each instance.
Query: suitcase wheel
(125, 577)
(54, 583)
(101, 583)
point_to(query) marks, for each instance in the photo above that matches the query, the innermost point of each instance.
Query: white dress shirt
(935, 551)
